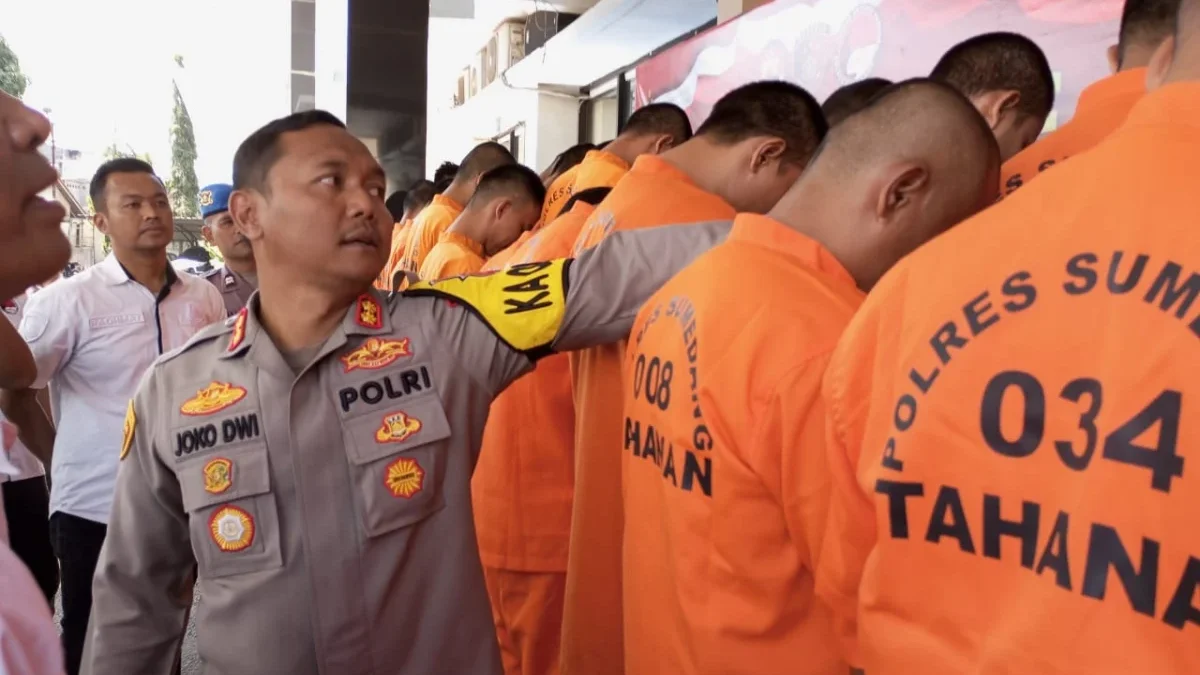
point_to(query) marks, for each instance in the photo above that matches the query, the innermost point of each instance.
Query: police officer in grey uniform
(313, 454)
(238, 278)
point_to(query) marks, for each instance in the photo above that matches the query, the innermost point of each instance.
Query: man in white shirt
(32, 247)
(93, 336)
(26, 500)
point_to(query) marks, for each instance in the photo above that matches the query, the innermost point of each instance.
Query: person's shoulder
(205, 343)
(522, 304)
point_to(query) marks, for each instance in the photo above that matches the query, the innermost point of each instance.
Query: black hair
(445, 172)
(510, 179)
(395, 204)
(769, 108)
(1147, 22)
(119, 165)
(660, 118)
(591, 196)
(419, 195)
(851, 98)
(259, 152)
(483, 158)
(568, 158)
(997, 62)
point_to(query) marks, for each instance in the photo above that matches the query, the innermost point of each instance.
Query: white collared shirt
(93, 336)
(27, 466)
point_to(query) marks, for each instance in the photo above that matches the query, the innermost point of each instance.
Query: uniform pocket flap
(224, 476)
(397, 429)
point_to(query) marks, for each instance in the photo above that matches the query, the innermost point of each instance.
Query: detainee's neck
(148, 268)
(699, 160)
(808, 209)
(471, 225)
(460, 191)
(299, 316)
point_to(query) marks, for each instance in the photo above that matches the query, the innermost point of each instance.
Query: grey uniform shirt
(235, 289)
(329, 510)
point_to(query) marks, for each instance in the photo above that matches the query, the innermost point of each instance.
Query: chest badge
(232, 529)
(397, 426)
(239, 331)
(376, 353)
(404, 477)
(218, 475)
(130, 425)
(215, 397)
(368, 313)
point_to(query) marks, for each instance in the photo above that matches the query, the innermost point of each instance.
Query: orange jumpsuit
(1102, 108)
(1013, 429)
(454, 254)
(521, 490)
(427, 227)
(723, 459)
(399, 243)
(653, 193)
(598, 169)
(557, 194)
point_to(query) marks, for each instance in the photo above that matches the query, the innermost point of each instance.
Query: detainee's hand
(32, 245)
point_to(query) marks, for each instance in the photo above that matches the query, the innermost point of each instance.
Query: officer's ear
(246, 208)
(206, 232)
(902, 191)
(100, 221)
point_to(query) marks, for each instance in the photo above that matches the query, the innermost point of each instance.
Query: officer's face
(220, 231)
(323, 216)
(137, 214)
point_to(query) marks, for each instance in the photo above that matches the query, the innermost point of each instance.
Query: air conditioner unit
(475, 81)
(489, 62)
(510, 44)
(460, 92)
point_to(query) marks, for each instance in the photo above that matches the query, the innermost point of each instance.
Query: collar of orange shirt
(771, 234)
(1176, 104)
(463, 241)
(1123, 85)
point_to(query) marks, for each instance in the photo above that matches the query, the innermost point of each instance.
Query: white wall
(557, 129)
(332, 47)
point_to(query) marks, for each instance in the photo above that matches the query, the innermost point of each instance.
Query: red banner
(824, 44)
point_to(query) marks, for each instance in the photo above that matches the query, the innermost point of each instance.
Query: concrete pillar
(729, 9)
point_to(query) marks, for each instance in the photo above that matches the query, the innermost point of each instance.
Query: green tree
(12, 80)
(115, 151)
(182, 185)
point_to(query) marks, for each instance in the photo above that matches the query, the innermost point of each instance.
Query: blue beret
(214, 199)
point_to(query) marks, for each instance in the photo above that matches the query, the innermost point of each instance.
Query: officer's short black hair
(999, 62)
(769, 108)
(395, 204)
(851, 98)
(1147, 23)
(510, 180)
(119, 165)
(659, 118)
(591, 196)
(483, 158)
(259, 152)
(419, 195)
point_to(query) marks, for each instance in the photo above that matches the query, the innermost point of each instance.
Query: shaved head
(852, 98)
(483, 158)
(660, 118)
(912, 163)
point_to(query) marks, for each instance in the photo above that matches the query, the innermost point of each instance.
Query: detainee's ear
(1160, 64)
(902, 191)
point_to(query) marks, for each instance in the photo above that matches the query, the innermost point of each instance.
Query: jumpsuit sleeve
(794, 422)
(137, 613)
(609, 283)
(850, 533)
